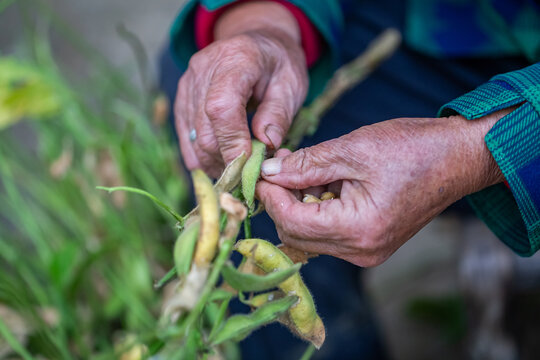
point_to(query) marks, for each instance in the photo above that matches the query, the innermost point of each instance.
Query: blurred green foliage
(77, 265)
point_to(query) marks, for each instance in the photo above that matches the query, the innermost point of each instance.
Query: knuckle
(369, 243)
(281, 111)
(230, 152)
(239, 51)
(194, 61)
(216, 106)
(307, 160)
(220, 104)
(242, 44)
(207, 143)
(301, 159)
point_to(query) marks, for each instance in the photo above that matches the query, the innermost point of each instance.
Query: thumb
(304, 168)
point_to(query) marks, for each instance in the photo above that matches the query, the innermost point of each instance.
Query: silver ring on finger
(193, 135)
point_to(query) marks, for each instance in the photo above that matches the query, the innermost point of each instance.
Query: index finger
(312, 221)
(225, 107)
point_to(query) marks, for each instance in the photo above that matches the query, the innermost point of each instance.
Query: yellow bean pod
(303, 316)
(207, 242)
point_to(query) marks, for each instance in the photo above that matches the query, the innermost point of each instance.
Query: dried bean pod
(209, 213)
(232, 175)
(229, 179)
(296, 256)
(304, 318)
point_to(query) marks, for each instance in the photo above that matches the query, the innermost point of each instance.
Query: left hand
(393, 178)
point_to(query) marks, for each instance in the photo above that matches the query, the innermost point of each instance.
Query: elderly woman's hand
(257, 56)
(392, 179)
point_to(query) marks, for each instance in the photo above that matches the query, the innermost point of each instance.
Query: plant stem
(221, 315)
(158, 202)
(165, 279)
(223, 256)
(13, 342)
(308, 353)
(345, 78)
(247, 227)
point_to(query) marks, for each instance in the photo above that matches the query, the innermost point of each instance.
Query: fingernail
(271, 166)
(274, 135)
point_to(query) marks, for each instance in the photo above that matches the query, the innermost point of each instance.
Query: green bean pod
(252, 170)
(184, 248)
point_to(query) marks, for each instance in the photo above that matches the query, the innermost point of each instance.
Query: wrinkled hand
(264, 65)
(392, 179)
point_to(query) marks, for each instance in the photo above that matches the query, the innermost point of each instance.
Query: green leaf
(13, 342)
(220, 316)
(165, 279)
(27, 91)
(184, 248)
(251, 282)
(238, 327)
(252, 170)
(156, 201)
(220, 294)
(260, 299)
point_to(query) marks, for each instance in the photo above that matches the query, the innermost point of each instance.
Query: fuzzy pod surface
(303, 316)
(207, 198)
(252, 170)
(252, 282)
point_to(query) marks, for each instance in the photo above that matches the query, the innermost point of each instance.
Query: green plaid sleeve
(514, 141)
(325, 15)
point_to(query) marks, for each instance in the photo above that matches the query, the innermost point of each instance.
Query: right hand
(264, 64)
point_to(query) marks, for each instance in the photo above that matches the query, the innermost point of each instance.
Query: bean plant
(195, 322)
(88, 269)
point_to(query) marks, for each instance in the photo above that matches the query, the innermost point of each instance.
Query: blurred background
(80, 108)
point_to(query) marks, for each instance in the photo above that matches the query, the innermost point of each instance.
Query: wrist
(479, 168)
(262, 17)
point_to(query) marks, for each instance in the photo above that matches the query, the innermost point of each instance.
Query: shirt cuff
(205, 21)
(513, 213)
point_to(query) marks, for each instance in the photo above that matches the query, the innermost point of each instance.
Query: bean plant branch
(345, 78)
(158, 202)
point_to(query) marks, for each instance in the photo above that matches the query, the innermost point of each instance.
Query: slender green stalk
(161, 204)
(221, 315)
(13, 342)
(247, 227)
(165, 279)
(223, 256)
(308, 353)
